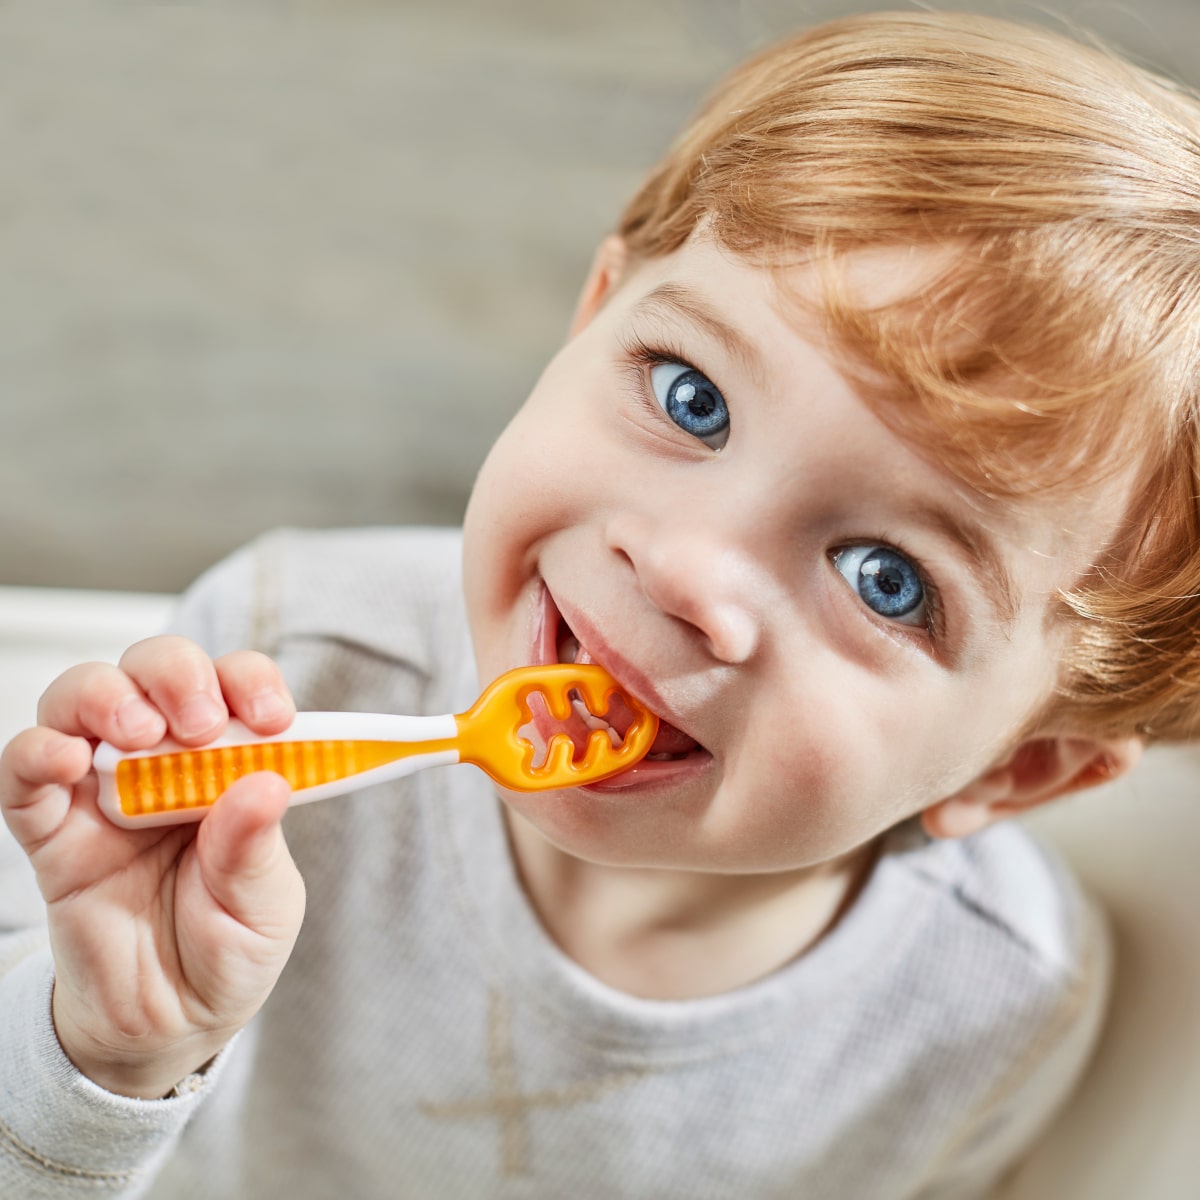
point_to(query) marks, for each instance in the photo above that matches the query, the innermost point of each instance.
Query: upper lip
(619, 667)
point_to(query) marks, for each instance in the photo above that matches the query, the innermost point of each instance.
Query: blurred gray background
(270, 263)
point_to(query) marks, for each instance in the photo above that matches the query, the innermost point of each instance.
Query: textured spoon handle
(320, 755)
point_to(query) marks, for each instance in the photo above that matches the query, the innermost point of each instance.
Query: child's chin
(617, 822)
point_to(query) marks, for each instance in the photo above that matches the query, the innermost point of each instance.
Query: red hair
(1061, 346)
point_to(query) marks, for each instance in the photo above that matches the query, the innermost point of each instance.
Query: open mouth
(559, 643)
(669, 743)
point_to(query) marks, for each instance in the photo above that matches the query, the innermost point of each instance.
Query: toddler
(869, 465)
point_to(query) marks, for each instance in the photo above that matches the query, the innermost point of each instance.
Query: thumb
(243, 858)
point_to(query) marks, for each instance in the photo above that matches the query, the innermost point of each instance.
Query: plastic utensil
(329, 753)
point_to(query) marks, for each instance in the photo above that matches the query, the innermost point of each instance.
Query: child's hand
(166, 941)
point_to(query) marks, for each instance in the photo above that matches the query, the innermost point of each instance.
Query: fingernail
(266, 706)
(135, 718)
(197, 716)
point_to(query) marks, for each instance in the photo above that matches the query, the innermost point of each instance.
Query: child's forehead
(794, 283)
(773, 301)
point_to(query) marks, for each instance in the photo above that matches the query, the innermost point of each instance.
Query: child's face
(696, 496)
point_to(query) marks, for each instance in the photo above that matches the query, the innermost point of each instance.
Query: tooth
(594, 722)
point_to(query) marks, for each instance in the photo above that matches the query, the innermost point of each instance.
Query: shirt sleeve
(1002, 1131)
(61, 1135)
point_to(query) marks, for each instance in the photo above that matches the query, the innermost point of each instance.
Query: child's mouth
(670, 744)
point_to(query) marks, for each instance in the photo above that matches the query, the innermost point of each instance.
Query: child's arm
(167, 941)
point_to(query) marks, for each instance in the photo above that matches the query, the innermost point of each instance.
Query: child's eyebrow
(984, 559)
(676, 300)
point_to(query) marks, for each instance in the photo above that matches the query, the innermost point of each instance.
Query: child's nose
(697, 576)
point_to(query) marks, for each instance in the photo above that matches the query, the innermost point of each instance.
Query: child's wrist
(160, 1077)
(150, 1074)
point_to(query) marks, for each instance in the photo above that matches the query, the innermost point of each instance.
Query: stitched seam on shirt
(990, 918)
(50, 1167)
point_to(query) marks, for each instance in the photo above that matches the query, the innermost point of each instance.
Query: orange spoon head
(491, 731)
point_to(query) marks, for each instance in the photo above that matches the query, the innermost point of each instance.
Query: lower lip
(646, 774)
(649, 774)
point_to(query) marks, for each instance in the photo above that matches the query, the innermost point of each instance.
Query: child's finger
(99, 700)
(181, 682)
(37, 771)
(255, 691)
(243, 857)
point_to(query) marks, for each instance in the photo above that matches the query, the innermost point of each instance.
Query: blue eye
(692, 401)
(885, 580)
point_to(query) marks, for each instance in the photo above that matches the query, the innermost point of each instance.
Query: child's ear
(608, 266)
(1037, 770)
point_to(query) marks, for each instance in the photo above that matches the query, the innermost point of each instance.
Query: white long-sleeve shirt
(428, 1039)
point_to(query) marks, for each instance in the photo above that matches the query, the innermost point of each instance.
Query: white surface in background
(43, 631)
